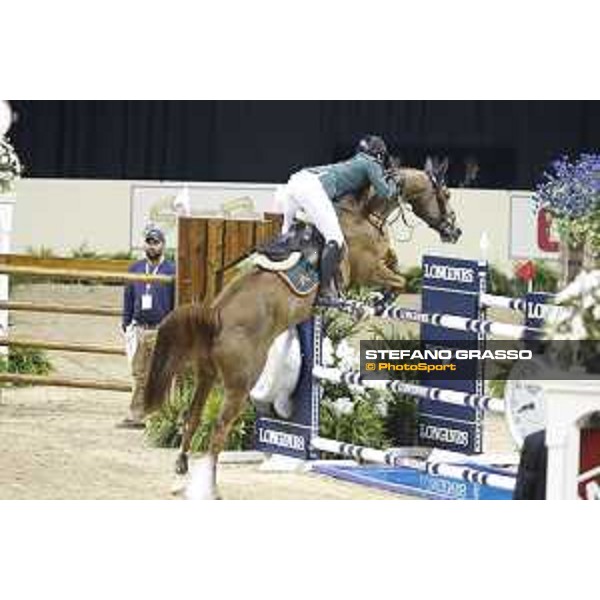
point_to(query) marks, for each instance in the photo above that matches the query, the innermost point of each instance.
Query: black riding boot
(330, 262)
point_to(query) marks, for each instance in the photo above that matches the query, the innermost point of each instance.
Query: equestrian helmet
(374, 146)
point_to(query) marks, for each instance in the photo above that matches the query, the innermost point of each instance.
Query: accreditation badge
(146, 301)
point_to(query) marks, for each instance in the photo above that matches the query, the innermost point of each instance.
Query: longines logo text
(281, 439)
(444, 434)
(548, 312)
(445, 487)
(447, 273)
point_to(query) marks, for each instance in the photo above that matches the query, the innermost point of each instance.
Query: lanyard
(150, 271)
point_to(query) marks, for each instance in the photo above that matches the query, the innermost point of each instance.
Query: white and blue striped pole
(480, 401)
(454, 322)
(397, 459)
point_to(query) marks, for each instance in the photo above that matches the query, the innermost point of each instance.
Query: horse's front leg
(390, 260)
(388, 278)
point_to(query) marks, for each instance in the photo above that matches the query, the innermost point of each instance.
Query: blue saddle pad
(302, 278)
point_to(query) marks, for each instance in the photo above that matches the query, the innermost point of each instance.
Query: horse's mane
(351, 203)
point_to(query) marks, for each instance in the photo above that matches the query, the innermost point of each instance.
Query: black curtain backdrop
(264, 141)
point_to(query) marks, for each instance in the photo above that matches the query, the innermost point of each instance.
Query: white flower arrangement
(578, 320)
(10, 167)
(343, 356)
(343, 406)
(347, 356)
(327, 352)
(581, 320)
(354, 413)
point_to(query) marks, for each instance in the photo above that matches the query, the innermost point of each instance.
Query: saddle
(294, 257)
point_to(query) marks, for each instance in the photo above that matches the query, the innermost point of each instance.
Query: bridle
(381, 215)
(446, 225)
(381, 212)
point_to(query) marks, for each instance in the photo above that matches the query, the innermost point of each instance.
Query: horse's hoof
(181, 464)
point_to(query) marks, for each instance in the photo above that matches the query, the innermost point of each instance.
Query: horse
(229, 339)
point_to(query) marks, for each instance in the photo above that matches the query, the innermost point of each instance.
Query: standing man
(145, 305)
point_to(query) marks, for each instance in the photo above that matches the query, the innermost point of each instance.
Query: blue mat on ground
(410, 481)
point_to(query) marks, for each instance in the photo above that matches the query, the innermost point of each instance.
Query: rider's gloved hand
(393, 174)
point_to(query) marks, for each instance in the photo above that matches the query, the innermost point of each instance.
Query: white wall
(64, 214)
(108, 216)
(478, 211)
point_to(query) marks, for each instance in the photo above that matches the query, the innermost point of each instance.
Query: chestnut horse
(230, 338)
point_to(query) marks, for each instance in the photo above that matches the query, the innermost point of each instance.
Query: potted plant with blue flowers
(570, 191)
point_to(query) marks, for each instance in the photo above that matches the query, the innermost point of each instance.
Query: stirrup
(327, 301)
(329, 297)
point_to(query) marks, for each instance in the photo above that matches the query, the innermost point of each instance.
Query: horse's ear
(428, 165)
(442, 169)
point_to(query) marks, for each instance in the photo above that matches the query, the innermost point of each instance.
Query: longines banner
(532, 234)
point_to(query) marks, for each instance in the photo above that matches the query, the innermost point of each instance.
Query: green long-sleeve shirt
(353, 175)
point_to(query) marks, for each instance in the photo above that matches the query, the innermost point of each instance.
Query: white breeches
(305, 192)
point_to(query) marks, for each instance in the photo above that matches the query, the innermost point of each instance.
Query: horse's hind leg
(204, 383)
(203, 485)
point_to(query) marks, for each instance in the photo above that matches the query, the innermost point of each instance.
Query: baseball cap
(154, 233)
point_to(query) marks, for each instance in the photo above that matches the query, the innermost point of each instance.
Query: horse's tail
(187, 332)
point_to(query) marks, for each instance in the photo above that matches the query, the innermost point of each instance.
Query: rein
(379, 218)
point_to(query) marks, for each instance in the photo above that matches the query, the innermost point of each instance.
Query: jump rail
(81, 274)
(101, 311)
(447, 321)
(479, 401)
(64, 346)
(72, 382)
(391, 457)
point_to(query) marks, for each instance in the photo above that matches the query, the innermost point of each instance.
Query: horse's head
(427, 193)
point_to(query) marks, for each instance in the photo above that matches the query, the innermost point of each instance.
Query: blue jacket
(163, 295)
(351, 176)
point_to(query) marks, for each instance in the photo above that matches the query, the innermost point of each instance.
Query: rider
(315, 189)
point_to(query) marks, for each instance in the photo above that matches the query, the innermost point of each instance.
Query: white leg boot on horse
(202, 484)
(203, 481)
